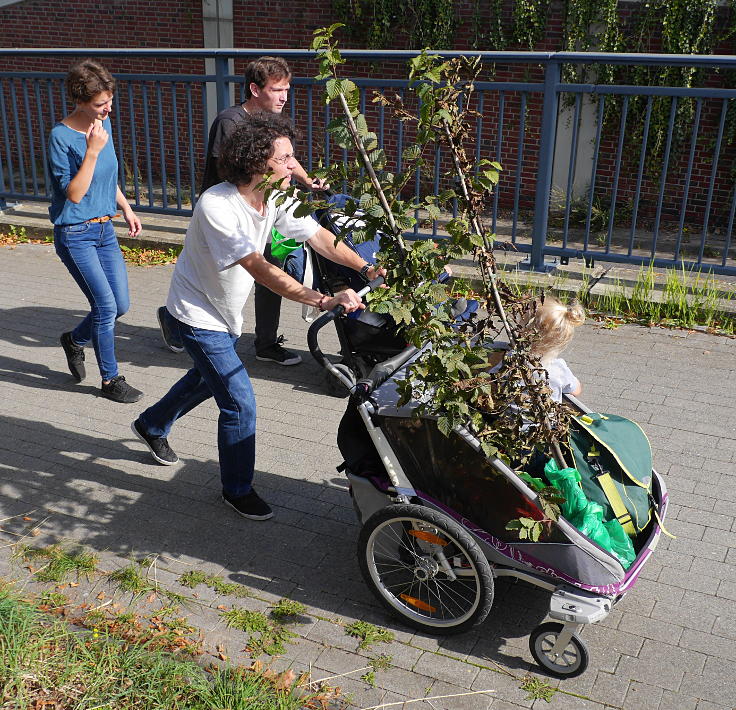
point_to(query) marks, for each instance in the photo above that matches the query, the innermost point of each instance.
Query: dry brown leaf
(25, 517)
(100, 596)
(151, 597)
(222, 606)
(73, 584)
(285, 680)
(35, 532)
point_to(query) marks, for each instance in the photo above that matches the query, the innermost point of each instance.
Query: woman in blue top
(85, 196)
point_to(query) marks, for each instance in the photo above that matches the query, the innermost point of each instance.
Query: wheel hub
(426, 568)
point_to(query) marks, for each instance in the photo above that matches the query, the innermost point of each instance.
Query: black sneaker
(74, 356)
(249, 506)
(170, 337)
(118, 390)
(278, 353)
(158, 446)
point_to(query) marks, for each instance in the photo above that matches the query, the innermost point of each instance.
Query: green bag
(614, 458)
(282, 246)
(567, 480)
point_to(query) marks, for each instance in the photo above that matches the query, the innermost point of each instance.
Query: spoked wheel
(567, 662)
(423, 566)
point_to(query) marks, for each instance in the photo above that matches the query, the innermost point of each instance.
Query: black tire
(573, 660)
(403, 566)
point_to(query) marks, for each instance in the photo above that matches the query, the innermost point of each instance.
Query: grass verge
(45, 662)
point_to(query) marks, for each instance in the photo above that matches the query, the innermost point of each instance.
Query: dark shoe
(279, 354)
(249, 506)
(118, 390)
(74, 357)
(171, 338)
(158, 446)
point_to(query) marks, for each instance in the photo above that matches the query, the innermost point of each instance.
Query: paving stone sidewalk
(69, 460)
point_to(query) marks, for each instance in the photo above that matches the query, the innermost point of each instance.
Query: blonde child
(554, 324)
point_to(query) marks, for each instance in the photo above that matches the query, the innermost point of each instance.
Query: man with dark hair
(266, 91)
(222, 256)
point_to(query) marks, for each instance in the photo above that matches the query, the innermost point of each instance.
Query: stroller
(434, 511)
(366, 338)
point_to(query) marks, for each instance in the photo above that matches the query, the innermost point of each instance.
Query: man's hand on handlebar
(348, 299)
(374, 273)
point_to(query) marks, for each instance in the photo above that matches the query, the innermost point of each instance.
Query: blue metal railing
(574, 185)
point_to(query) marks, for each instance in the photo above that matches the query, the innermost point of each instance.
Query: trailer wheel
(569, 662)
(426, 568)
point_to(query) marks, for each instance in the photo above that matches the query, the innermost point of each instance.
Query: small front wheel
(426, 568)
(568, 662)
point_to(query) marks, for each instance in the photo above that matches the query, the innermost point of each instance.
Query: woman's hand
(96, 138)
(374, 273)
(134, 224)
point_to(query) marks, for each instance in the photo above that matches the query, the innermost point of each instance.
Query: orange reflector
(428, 537)
(418, 603)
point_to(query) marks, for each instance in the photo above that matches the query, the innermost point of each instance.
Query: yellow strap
(617, 504)
(661, 525)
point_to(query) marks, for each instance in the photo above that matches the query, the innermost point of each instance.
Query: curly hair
(87, 79)
(245, 152)
(554, 323)
(258, 72)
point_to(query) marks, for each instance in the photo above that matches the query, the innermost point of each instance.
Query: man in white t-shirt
(215, 273)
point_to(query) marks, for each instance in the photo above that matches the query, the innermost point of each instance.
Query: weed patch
(287, 610)
(537, 689)
(56, 562)
(368, 633)
(266, 635)
(194, 578)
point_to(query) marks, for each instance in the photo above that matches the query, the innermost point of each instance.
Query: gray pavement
(70, 463)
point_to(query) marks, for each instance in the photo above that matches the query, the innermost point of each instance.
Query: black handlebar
(329, 316)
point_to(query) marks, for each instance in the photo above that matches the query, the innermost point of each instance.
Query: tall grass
(44, 662)
(682, 299)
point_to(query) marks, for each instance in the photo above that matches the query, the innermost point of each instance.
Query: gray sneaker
(170, 336)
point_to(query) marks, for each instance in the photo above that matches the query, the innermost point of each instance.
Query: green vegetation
(56, 562)
(678, 299)
(537, 689)
(194, 578)
(266, 635)
(45, 664)
(287, 610)
(368, 633)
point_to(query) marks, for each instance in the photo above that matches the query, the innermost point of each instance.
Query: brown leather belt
(104, 218)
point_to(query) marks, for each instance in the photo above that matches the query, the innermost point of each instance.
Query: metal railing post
(545, 164)
(222, 67)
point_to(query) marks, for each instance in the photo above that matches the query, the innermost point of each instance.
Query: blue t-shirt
(66, 152)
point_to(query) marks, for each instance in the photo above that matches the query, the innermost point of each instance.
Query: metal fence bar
(617, 171)
(716, 153)
(175, 128)
(19, 144)
(161, 162)
(571, 166)
(594, 169)
(688, 175)
(519, 162)
(499, 146)
(544, 165)
(640, 173)
(31, 141)
(663, 177)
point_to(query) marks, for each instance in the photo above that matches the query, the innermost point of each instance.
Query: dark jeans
(218, 372)
(91, 253)
(268, 303)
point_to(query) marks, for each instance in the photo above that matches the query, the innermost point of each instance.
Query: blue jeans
(268, 304)
(217, 372)
(91, 253)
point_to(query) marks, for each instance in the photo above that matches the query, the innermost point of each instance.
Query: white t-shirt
(561, 379)
(209, 288)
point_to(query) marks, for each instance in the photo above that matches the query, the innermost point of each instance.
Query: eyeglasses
(283, 159)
